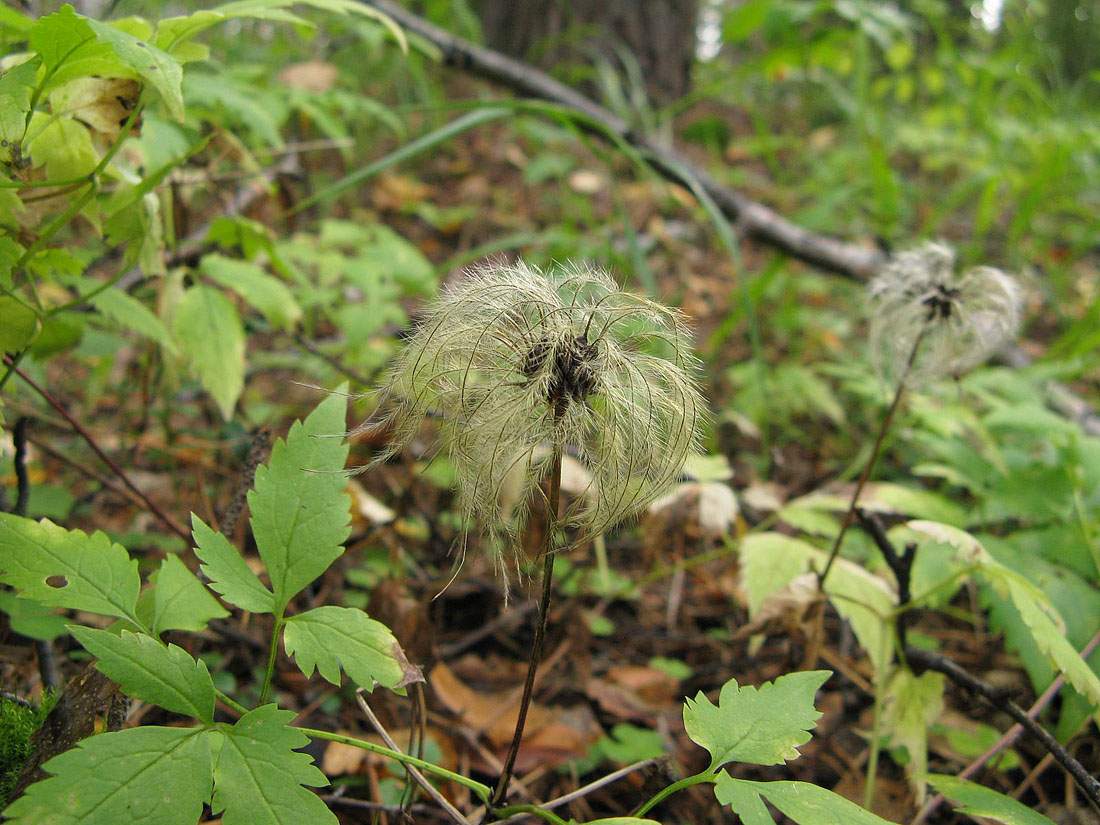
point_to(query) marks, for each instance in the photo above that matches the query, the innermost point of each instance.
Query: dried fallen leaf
(310, 76)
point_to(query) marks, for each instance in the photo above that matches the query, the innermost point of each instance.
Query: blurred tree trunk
(549, 33)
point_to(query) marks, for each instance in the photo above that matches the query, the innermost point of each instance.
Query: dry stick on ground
(1009, 737)
(756, 219)
(152, 506)
(933, 661)
(417, 776)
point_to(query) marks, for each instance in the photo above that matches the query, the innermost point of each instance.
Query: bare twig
(1010, 736)
(417, 776)
(756, 219)
(152, 506)
(901, 564)
(1088, 783)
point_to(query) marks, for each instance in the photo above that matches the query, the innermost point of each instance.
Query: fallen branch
(926, 660)
(754, 218)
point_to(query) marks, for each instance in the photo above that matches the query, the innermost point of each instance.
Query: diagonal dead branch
(754, 218)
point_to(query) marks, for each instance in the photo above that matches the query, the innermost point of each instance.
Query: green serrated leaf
(31, 619)
(267, 294)
(144, 668)
(20, 324)
(181, 601)
(762, 726)
(157, 68)
(132, 314)
(328, 638)
(87, 572)
(300, 514)
(209, 333)
(259, 777)
(69, 49)
(228, 572)
(141, 776)
(978, 800)
(10, 253)
(63, 145)
(16, 86)
(912, 704)
(802, 802)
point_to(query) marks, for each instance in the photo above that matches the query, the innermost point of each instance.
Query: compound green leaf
(300, 514)
(63, 145)
(20, 324)
(144, 668)
(800, 801)
(267, 294)
(141, 776)
(763, 726)
(328, 638)
(181, 601)
(210, 334)
(67, 568)
(129, 312)
(259, 776)
(157, 68)
(16, 85)
(69, 48)
(978, 800)
(228, 572)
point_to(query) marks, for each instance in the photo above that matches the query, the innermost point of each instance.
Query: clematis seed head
(514, 361)
(960, 319)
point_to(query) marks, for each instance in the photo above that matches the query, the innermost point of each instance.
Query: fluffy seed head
(964, 318)
(514, 360)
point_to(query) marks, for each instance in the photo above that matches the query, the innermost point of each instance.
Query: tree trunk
(554, 34)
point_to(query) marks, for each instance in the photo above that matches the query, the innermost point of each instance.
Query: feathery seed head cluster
(515, 361)
(960, 320)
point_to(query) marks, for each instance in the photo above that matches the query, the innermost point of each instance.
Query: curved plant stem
(884, 428)
(482, 791)
(272, 654)
(553, 498)
(675, 787)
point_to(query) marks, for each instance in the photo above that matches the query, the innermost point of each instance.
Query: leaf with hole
(67, 568)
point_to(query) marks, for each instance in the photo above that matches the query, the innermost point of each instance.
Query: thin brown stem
(416, 775)
(884, 428)
(927, 660)
(153, 507)
(553, 499)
